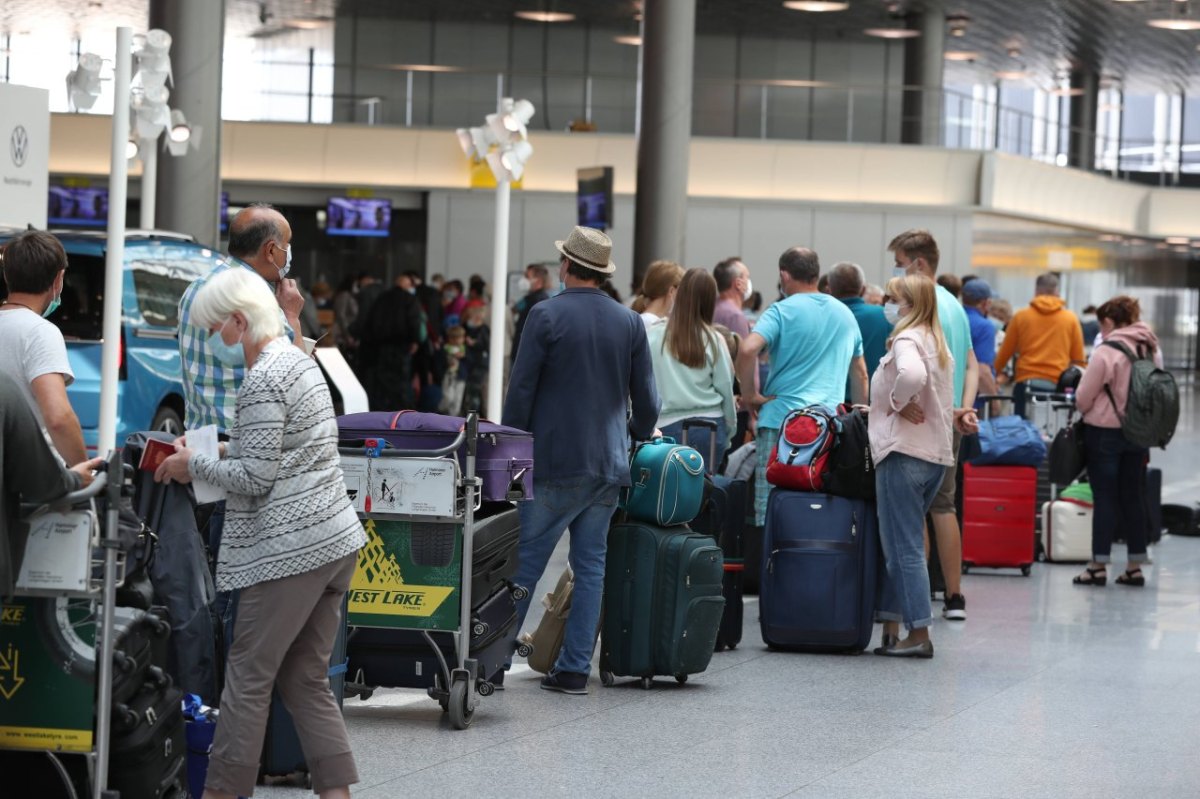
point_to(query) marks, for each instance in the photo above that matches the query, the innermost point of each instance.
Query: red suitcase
(999, 511)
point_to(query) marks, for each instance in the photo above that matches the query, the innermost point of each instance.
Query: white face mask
(891, 310)
(287, 264)
(523, 284)
(749, 290)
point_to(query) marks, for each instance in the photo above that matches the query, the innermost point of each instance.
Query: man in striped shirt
(259, 240)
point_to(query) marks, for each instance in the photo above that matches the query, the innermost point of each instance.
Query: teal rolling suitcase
(662, 603)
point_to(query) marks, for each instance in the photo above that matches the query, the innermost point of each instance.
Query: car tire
(167, 420)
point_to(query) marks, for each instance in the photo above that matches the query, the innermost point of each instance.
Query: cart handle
(449, 449)
(98, 484)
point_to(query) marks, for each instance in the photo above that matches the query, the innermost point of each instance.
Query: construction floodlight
(83, 82)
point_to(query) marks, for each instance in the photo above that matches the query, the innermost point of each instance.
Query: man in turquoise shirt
(917, 254)
(814, 344)
(847, 283)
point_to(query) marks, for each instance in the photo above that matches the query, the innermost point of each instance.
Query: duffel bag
(1009, 441)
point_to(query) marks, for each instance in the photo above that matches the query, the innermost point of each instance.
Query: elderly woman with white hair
(289, 546)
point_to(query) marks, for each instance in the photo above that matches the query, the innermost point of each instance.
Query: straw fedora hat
(588, 247)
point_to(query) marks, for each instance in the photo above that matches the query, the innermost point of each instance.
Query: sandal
(1132, 577)
(1096, 577)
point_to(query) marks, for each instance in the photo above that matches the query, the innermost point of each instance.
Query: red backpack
(801, 457)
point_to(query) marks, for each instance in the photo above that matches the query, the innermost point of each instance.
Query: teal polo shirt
(957, 330)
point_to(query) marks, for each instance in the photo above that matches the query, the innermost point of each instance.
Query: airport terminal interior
(449, 147)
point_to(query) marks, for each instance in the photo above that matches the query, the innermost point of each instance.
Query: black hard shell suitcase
(404, 659)
(282, 753)
(139, 651)
(149, 752)
(662, 603)
(497, 535)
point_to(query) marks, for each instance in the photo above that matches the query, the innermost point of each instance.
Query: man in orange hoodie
(1045, 337)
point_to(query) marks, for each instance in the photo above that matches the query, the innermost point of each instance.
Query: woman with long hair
(657, 294)
(1116, 468)
(911, 427)
(693, 369)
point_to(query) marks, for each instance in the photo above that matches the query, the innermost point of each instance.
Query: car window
(159, 284)
(81, 315)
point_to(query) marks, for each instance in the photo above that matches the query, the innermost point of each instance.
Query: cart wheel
(524, 650)
(647, 683)
(1041, 556)
(519, 592)
(485, 688)
(607, 679)
(1025, 570)
(731, 647)
(479, 629)
(681, 678)
(966, 568)
(460, 715)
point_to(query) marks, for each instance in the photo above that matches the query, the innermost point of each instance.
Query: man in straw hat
(582, 363)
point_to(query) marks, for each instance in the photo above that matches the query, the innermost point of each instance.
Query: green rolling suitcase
(662, 603)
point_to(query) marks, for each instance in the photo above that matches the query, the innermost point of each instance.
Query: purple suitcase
(504, 461)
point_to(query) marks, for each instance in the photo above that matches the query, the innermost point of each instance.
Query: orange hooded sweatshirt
(1045, 337)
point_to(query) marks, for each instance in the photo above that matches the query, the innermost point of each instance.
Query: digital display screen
(81, 207)
(594, 197)
(354, 216)
(224, 211)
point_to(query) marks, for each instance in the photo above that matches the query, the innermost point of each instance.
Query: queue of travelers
(916, 362)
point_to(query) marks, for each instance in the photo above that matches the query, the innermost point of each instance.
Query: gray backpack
(1152, 409)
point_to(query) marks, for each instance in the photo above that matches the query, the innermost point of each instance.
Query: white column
(496, 364)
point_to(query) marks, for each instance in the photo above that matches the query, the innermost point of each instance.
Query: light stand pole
(148, 150)
(502, 142)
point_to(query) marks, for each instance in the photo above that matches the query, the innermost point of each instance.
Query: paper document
(204, 441)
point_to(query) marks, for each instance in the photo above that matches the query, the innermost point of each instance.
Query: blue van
(158, 267)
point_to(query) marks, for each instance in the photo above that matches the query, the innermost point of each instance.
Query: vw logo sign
(18, 145)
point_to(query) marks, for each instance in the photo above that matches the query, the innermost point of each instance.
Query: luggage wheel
(519, 592)
(479, 629)
(1026, 569)
(647, 683)
(606, 678)
(681, 678)
(485, 688)
(524, 649)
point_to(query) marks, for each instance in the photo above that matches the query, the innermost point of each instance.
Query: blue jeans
(905, 488)
(700, 439)
(586, 506)
(1117, 471)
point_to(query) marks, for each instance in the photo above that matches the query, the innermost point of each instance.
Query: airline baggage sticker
(416, 487)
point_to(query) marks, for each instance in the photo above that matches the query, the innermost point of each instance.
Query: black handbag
(1067, 457)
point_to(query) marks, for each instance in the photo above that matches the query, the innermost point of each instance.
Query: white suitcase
(1067, 531)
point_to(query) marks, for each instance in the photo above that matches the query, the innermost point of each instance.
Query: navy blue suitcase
(820, 572)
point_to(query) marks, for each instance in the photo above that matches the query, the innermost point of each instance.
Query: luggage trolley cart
(56, 646)
(415, 572)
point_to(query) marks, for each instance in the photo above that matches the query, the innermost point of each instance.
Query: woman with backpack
(693, 369)
(1116, 466)
(911, 427)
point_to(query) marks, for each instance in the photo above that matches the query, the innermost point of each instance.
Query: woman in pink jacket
(1116, 468)
(911, 429)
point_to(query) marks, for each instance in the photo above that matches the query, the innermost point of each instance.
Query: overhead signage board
(25, 156)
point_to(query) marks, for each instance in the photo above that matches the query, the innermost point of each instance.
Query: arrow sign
(10, 680)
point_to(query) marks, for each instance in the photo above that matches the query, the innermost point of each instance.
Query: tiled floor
(1048, 690)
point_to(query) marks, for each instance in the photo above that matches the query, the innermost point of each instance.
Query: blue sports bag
(667, 483)
(1009, 441)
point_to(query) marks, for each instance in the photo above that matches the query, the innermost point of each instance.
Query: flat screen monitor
(594, 197)
(224, 211)
(356, 216)
(78, 207)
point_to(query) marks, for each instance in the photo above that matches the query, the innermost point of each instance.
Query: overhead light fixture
(509, 164)
(1177, 240)
(422, 68)
(961, 55)
(635, 41)
(1066, 91)
(544, 16)
(307, 23)
(83, 82)
(1175, 23)
(180, 130)
(816, 6)
(1011, 74)
(893, 33)
(957, 23)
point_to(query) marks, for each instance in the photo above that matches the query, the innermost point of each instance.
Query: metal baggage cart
(419, 508)
(72, 569)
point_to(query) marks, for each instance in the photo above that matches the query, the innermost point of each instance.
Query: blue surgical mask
(53, 306)
(227, 354)
(899, 271)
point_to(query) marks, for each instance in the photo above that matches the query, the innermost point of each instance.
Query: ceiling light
(893, 33)
(180, 131)
(422, 68)
(816, 6)
(1011, 74)
(957, 23)
(307, 23)
(1066, 91)
(961, 55)
(544, 16)
(83, 82)
(636, 41)
(1177, 239)
(1175, 24)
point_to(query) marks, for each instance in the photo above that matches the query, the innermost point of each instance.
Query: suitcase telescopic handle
(988, 399)
(712, 439)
